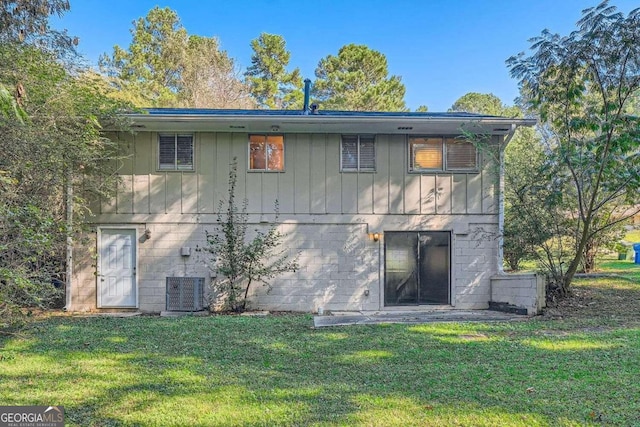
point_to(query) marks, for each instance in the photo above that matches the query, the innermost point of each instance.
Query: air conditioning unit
(185, 293)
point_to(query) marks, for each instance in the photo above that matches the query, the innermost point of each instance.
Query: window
(358, 154)
(266, 152)
(175, 152)
(439, 154)
(426, 154)
(461, 155)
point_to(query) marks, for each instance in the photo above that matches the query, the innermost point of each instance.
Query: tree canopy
(210, 78)
(149, 70)
(484, 103)
(166, 67)
(271, 84)
(582, 87)
(357, 79)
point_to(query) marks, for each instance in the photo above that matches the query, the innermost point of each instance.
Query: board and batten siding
(310, 184)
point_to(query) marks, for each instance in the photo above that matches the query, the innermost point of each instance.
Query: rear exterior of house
(386, 211)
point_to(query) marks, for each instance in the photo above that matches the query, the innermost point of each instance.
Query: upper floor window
(357, 153)
(440, 154)
(175, 152)
(266, 152)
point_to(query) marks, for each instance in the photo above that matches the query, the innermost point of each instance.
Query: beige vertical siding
(312, 182)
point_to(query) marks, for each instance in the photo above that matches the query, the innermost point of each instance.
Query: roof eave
(397, 124)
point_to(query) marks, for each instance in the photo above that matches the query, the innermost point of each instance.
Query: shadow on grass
(279, 371)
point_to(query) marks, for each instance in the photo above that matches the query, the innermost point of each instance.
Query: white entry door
(117, 273)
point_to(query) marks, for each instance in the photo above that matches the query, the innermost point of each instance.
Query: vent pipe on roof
(307, 88)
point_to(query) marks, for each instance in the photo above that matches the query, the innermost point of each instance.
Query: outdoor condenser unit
(185, 293)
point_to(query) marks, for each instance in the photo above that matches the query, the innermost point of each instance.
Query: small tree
(240, 260)
(584, 88)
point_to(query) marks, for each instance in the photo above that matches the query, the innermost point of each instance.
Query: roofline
(283, 121)
(345, 116)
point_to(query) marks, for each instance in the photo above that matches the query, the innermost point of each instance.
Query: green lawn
(578, 365)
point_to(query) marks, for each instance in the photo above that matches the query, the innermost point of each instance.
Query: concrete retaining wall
(519, 290)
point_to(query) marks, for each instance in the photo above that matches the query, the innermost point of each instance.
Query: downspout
(307, 89)
(503, 146)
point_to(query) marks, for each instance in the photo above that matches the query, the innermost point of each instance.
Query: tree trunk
(246, 294)
(575, 262)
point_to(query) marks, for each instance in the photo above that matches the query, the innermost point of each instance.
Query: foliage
(240, 260)
(524, 229)
(605, 240)
(9, 105)
(484, 103)
(150, 69)
(27, 22)
(529, 213)
(583, 86)
(53, 162)
(210, 78)
(277, 370)
(271, 85)
(422, 109)
(357, 79)
(165, 67)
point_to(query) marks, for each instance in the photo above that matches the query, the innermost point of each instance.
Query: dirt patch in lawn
(603, 298)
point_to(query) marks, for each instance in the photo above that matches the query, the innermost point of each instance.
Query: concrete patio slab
(412, 317)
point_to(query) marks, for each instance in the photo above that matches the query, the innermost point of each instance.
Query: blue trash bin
(636, 248)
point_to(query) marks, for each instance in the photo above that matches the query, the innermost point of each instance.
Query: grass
(633, 236)
(577, 365)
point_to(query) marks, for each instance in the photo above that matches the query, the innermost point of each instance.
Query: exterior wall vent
(185, 293)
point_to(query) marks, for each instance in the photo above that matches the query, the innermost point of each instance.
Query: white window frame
(176, 167)
(266, 159)
(358, 168)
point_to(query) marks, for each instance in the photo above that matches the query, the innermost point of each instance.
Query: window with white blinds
(441, 154)
(358, 153)
(175, 152)
(461, 155)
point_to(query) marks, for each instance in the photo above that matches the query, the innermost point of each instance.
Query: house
(386, 210)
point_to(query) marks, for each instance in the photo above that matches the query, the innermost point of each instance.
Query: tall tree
(210, 78)
(271, 84)
(582, 87)
(358, 79)
(150, 69)
(166, 67)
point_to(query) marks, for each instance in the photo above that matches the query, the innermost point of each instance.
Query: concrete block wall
(341, 268)
(83, 292)
(474, 261)
(519, 290)
(161, 256)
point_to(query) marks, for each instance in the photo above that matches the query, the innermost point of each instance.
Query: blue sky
(442, 49)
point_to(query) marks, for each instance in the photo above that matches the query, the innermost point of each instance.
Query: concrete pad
(183, 313)
(413, 317)
(109, 314)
